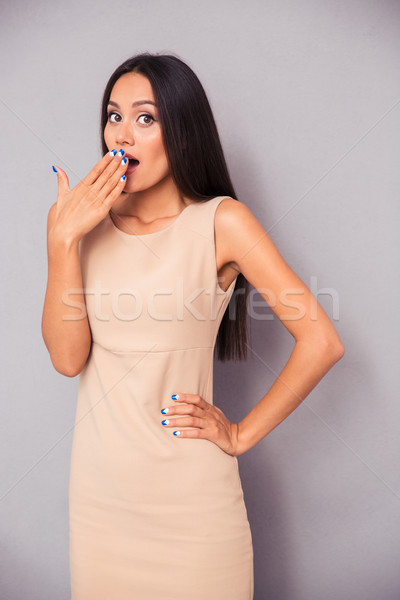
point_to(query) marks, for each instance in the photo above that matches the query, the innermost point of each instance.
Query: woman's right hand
(79, 210)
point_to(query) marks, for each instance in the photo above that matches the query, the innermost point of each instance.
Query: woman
(145, 255)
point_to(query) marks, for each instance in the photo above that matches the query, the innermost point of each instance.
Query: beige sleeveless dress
(153, 516)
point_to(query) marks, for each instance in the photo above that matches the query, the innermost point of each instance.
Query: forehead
(132, 86)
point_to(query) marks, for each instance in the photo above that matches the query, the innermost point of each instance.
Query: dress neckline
(136, 235)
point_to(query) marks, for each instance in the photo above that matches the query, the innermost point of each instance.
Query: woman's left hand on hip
(209, 422)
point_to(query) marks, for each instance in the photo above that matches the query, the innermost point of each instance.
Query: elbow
(334, 348)
(340, 351)
(68, 361)
(337, 353)
(67, 372)
(68, 368)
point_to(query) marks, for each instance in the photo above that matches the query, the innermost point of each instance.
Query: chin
(135, 186)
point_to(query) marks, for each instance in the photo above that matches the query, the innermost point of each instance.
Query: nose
(125, 134)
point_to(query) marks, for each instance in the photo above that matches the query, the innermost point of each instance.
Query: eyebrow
(137, 103)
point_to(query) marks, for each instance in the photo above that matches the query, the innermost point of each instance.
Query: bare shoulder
(236, 229)
(244, 244)
(231, 211)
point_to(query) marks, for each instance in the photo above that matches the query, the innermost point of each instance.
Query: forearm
(307, 365)
(65, 327)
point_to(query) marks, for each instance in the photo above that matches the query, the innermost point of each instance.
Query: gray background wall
(306, 96)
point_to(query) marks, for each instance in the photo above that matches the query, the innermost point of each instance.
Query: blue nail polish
(54, 169)
(121, 153)
(165, 422)
(175, 396)
(123, 177)
(113, 152)
(177, 433)
(165, 411)
(124, 160)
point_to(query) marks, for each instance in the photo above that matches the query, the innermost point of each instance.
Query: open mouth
(133, 164)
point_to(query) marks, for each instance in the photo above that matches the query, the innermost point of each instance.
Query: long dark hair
(196, 161)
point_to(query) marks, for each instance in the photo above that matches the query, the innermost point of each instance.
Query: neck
(160, 201)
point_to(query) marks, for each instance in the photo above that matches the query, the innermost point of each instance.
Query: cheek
(155, 144)
(107, 137)
(160, 159)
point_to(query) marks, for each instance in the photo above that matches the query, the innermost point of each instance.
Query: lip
(132, 168)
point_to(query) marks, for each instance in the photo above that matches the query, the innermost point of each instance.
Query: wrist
(61, 240)
(240, 446)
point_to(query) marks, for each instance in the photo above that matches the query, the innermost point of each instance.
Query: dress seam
(152, 351)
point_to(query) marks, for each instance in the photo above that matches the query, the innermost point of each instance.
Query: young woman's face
(133, 125)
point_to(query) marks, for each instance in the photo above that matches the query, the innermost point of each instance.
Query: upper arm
(246, 245)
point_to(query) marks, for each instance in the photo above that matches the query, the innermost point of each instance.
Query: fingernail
(123, 178)
(165, 411)
(113, 152)
(121, 153)
(165, 422)
(54, 169)
(124, 160)
(175, 396)
(177, 433)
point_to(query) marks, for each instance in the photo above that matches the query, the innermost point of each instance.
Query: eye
(110, 114)
(147, 116)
